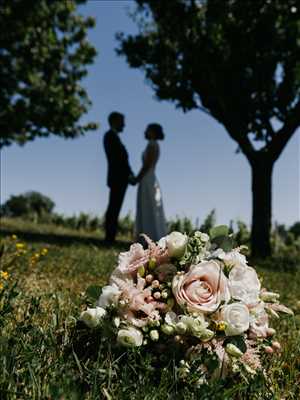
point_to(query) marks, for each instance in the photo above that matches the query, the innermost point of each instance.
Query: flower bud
(152, 263)
(157, 295)
(164, 294)
(176, 243)
(268, 350)
(181, 328)
(149, 278)
(276, 346)
(141, 271)
(167, 329)
(155, 284)
(206, 335)
(154, 335)
(269, 296)
(233, 350)
(92, 316)
(270, 332)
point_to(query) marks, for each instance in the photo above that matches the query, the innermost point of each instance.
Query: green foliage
(44, 52)
(238, 61)
(28, 204)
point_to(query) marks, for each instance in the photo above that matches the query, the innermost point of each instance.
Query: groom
(119, 173)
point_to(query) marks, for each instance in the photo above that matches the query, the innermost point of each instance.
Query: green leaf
(93, 292)
(220, 230)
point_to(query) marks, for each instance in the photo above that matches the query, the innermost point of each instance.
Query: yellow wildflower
(20, 246)
(1, 285)
(14, 237)
(4, 275)
(44, 251)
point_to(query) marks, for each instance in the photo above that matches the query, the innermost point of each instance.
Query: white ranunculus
(109, 296)
(130, 337)
(171, 318)
(176, 244)
(92, 316)
(244, 284)
(195, 325)
(236, 316)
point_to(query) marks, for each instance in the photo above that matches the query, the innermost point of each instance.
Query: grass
(42, 356)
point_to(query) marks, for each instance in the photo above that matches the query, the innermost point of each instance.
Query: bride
(150, 217)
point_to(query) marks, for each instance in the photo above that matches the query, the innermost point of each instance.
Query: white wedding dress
(150, 216)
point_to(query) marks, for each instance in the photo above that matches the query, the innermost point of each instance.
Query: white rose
(130, 337)
(92, 316)
(236, 316)
(109, 296)
(244, 284)
(176, 244)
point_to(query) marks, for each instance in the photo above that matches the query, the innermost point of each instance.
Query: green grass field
(41, 357)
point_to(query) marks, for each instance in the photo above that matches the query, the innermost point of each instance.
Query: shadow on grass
(64, 239)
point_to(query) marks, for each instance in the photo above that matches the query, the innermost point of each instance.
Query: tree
(238, 61)
(43, 56)
(28, 204)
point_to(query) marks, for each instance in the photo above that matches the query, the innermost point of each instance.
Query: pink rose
(131, 260)
(202, 288)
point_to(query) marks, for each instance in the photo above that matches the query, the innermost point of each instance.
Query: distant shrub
(31, 204)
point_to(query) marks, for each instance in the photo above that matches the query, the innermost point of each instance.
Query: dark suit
(117, 180)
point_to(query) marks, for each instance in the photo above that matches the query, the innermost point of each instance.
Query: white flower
(154, 335)
(167, 329)
(109, 296)
(130, 337)
(259, 321)
(162, 243)
(196, 326)
(244, 284)
(171, 318)
(176, 244)
(236, 316)
(234, 259)
(92, 316)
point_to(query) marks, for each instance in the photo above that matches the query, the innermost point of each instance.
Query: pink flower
(131, 260)
(259, 322)
(202, 288)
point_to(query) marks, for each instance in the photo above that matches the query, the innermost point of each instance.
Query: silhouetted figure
(150, 216)
(119, 173)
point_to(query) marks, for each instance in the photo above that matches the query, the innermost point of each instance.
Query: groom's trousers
(116, 197)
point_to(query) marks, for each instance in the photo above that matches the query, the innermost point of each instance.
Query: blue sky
(198, 169)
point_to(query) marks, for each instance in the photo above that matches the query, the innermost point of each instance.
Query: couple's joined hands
(132, 180)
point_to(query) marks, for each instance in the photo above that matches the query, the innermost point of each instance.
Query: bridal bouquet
(195, 295)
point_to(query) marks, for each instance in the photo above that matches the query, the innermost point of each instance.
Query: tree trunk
(261, 206)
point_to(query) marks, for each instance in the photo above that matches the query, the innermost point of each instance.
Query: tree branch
(284, 134)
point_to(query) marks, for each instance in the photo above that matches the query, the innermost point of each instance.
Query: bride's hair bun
(157, 128)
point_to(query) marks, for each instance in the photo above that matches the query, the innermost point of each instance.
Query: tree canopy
(44, 52)
(238, 61)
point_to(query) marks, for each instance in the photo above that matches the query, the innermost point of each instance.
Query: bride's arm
(149, 160)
